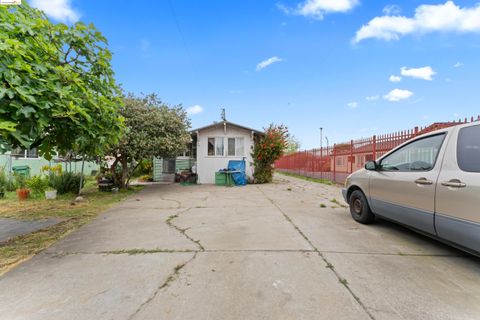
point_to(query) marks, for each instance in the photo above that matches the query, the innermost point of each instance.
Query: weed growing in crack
(132, 252)
(322, 205)
(329, 266)
(343, 281)
(183, 231)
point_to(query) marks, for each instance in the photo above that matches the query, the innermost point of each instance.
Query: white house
(214, 145)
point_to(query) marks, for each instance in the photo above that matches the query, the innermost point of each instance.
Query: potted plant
(22, 191)
(50, 193)
(53, 182)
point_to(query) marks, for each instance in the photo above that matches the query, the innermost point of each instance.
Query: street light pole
(321, 152)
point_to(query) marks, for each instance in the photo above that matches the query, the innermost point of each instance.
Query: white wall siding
(208, 165)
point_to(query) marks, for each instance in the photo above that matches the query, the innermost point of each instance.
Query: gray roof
(219, 124)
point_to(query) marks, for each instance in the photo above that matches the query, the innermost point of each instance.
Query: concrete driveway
(286, 250)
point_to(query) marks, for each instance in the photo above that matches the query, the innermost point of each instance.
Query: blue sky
(353, 67)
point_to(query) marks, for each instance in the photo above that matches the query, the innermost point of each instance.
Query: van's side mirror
(371, 166)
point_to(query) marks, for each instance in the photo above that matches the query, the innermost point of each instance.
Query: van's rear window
(468, 149)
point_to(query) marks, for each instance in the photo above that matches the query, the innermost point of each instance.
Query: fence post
(374, 148)
(334, 163)
(351, 156)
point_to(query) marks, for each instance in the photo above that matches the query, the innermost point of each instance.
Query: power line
(184, 42)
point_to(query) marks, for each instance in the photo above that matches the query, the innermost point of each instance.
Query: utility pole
(321, 152)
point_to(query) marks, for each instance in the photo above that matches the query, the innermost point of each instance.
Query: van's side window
(420, 155)
(468, 149)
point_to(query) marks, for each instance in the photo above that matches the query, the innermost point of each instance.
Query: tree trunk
(131, 173)
(81, 177)
(113, 170)
(124, 162)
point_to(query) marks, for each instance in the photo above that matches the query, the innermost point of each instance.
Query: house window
(216, 147)
(211, 146)
(340, 161)
(32, 153)
(236, 147)
(25, 153)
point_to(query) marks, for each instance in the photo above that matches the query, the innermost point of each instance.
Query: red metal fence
(336, 162)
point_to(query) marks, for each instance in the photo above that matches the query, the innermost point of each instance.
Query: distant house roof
(394, 142)
(228, 123)
(438, 126)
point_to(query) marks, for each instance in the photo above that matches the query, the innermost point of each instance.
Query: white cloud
(391, 10)
(398, 94)
(60, 10)
(394, 78)
(352, 104)
(428, 18)
(458, 64)
(318, 8)
(268, 62)
(196, 109)
(372, 98)
(424, 73)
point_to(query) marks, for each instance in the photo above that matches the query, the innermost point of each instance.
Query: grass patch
(75, 215)
(323, 181)
(322, 205)
(335, 201)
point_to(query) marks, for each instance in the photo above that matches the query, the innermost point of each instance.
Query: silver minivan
(430, 184)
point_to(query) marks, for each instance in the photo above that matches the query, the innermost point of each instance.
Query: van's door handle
(454, 183)
(424, 182)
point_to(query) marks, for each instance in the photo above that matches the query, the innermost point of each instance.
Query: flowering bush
(52, 169)
(269, 149)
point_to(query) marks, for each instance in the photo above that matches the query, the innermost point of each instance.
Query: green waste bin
(221, 179)
(23, 170)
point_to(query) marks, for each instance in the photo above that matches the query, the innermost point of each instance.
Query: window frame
(236, 144)
(444, 134)
(215, 139)
(25, 153)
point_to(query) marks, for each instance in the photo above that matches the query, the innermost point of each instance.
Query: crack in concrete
(328, 264)
(172, 277)
(183, 231)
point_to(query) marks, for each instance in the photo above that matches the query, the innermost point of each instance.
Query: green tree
(153, 129)
(57, 87)
(269, 149)
(293, 145)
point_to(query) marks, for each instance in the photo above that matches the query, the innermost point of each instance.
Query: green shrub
(10, 185)
(67, 182)
(20, 180)
(3, 181)
(37, 184)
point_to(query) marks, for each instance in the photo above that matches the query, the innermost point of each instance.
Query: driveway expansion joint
(328, 264)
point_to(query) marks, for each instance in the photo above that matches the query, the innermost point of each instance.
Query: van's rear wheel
(359, 208)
